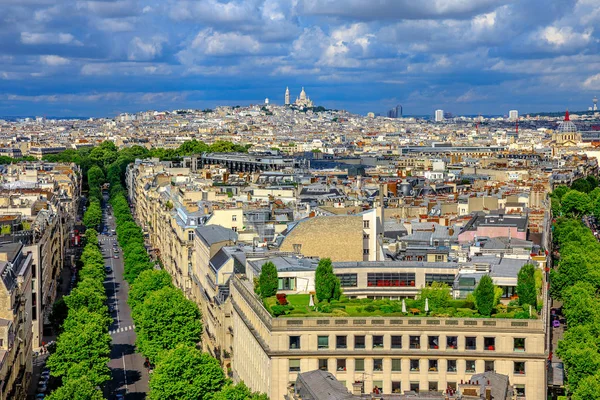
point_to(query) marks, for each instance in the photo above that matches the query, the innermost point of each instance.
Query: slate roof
(212, 234)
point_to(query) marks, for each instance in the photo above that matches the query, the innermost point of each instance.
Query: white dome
(567, 127)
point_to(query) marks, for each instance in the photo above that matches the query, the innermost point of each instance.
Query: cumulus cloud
(54, 61)
(212, 43)
(145, 50)
(48, 38)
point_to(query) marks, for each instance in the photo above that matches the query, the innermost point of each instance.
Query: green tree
(76, 389)
(580, 306)
(164, 320)
(147, 282)
(185, 373)
(579, 352)
(588, 388)
(327, 285)
(96, 176)
(268, 280)
(438, 293)
(93, 215)
(58, 314)
(238, 392)
(484, 296)
(575, 203)
(581, 185)
(526, 285)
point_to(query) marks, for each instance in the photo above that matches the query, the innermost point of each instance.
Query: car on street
(42, 387)
(40, 396)
(556, 323)
(119, 397)
(116, 256)
(108, 269)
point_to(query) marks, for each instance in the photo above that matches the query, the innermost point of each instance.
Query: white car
(42, 387)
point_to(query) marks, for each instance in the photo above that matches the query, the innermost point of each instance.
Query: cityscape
(258, 199)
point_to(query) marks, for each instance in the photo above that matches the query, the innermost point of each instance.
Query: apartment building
(15, 321)
(392, 353)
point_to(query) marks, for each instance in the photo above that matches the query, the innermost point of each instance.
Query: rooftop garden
(432, 301)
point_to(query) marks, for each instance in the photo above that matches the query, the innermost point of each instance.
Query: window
(470, 366)
(433, 342)
(359, 364)
(414, 387)
(366, 236)
(234, 228)
(294, 342)
(359, 342)
(444, 278)
(519, 344)
(366, 224)
(414, 365)
(391, 279)
(470, 343)
(323, 342)
(348, 280)
(295, 365)
(378, 342)
(489, 343)
(519, 390)
(396, 364)
(340, 342)
(451, 385)
(366, 252)
(341, 364)
(377, 364)
(433, 386)
(489, 366)
(433, 365)
(439, 258)
(190, 235)
(396, 387)
(415, 342)
(451, 366)
(377, 387)
(286, 283)
(451, 342)
(323, 364)
(234, 218)
(520, 367)
(396, 342)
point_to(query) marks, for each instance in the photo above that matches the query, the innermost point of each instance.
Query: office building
(439, 115)
(513, 115)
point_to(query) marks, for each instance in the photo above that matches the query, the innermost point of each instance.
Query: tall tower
(595, 101)
(287, 96)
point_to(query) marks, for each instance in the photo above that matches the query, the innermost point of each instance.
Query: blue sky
(96, 58)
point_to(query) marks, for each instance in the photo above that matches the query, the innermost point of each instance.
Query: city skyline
(103, 58)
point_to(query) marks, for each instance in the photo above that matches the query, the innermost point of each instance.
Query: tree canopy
(327, 284)
(484, 296)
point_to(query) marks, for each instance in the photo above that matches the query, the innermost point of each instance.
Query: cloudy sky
(95, 58)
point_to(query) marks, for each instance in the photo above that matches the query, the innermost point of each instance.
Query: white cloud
(144, 51)
(214, 43)
(54, 61)
(115, 25)
(592, 83)
(124, 68)
(49, 38)
(565, 36)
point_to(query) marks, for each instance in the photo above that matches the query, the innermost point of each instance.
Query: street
(129, 376)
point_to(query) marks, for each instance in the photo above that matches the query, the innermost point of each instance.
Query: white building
(513, 115)
(439, 115)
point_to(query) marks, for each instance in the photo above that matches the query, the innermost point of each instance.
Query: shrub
(282, 299)
(281, 310)
(327, 284)
(325, 308)
(268, 280)
(370, 308)
(484, 295)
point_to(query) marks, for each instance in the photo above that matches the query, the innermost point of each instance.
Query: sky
(101, 58)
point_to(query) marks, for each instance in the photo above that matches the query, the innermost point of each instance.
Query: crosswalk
(123, 329)
(106, 239)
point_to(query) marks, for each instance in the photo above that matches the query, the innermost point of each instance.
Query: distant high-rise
(439, 115)
(513, 115)
(395, 112)
(595, 101)
(287, 96)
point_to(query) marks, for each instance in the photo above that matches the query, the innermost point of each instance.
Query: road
(129, 376)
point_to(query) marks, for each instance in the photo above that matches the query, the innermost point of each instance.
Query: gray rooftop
(212, 234)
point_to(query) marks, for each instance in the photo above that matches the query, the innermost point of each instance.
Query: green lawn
(298, 307)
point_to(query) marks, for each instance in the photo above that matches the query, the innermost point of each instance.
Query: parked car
(556, 323)
(42, 387)
(40, 396)
(108, 269)
(116, 256)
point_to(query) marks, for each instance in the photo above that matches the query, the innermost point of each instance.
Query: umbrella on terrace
(426, 304)
(403, 306)
(311, 303)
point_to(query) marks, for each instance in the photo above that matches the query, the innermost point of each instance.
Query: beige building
(15, 321)
(392, 353)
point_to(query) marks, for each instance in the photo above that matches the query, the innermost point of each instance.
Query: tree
(76, 389)
(580, 306)
(484, 296)
(93, 215)
(575, 203)
(581, 185)
(95, 176)
(588, 388)
(185, 373)
(438, 293)
(526, 285)
(579, 352)
(238, 392)
(268, 280)
(572, 268)
(58, 314)
(164, 320)
(327, 285)
(147, 282)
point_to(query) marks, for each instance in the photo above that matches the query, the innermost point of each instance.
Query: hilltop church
(302, 101)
